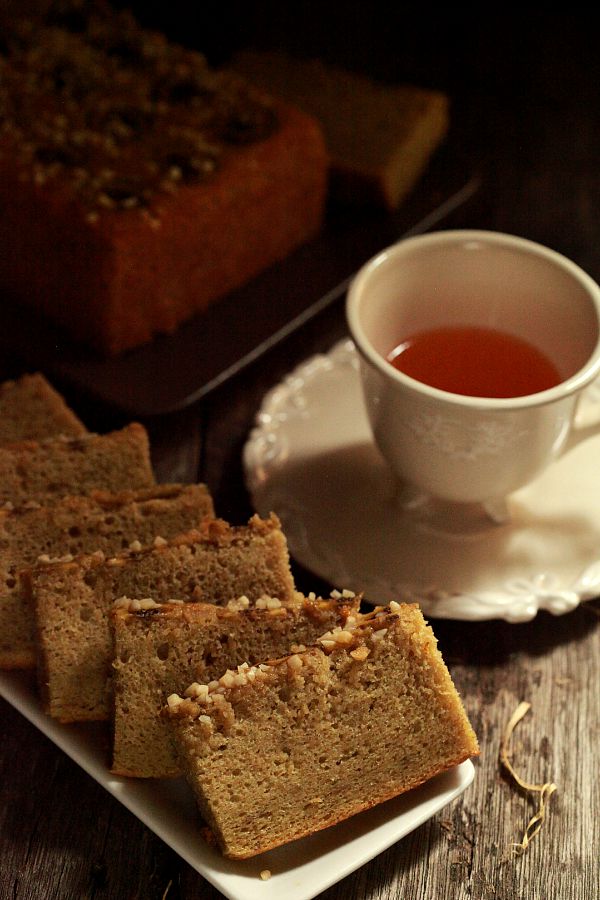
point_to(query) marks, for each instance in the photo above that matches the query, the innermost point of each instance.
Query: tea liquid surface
(477, 362)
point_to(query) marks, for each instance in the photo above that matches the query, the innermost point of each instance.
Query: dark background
(524, 85)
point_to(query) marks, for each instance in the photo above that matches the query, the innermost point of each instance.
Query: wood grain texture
(525, 94)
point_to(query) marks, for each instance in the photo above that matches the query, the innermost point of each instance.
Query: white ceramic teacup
(459, 448)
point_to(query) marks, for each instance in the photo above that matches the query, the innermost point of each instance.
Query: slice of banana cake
(160, 647)
(83, 524)
(72, 599)
(280, 750)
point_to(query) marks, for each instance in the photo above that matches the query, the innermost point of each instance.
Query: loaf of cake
(278, 751)
(160, 647)
(75, 525)
(31, 408)
(45, 471)
(72, 600)
(137, 185)
(380, 137)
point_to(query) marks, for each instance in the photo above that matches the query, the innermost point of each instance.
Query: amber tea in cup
(475, 361)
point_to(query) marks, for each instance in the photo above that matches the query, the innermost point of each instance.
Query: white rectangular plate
(300, 870)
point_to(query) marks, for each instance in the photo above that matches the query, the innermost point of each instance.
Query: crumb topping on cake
(198, 696)
(357, 637)
(133, 604)
(117, 113)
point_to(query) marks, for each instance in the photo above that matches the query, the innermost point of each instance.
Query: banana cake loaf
(380, 137)
(45, 471)
(138, 185)
(31, 408)
(74, 525)
(160, 647)
(280, 750)
(72, 600)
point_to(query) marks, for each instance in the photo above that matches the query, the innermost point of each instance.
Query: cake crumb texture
(47, 470)
(157, 652)
(316, 737)
(72, 600)
(100, 522)
(31, 408)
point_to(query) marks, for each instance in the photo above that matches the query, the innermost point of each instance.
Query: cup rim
(576, 382)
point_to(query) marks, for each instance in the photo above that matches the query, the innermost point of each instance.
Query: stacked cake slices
(286, 713)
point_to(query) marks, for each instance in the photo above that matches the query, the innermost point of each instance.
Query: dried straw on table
(545, 791)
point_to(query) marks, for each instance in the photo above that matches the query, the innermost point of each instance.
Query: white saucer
(311, 460)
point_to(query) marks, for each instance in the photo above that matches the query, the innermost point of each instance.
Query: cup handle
(586, 421)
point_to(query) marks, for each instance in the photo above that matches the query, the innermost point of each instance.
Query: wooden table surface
(525, 113)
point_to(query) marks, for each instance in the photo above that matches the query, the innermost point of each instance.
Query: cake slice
(44, 471)
(74, 525)
(31, 408)
(158, 648)
(380, 137)
(280, 750)
(72, 600)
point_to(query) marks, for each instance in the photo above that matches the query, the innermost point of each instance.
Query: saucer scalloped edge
(311, 459)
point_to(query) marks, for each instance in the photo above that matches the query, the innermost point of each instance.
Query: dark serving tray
(176, 370)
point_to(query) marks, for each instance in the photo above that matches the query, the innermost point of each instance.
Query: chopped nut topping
(379, 634)
(339, 636)
(197, 691)
(238, 605)
(115, 113)
(121, 603)
(44, 558)
(345, 594)
(174, 700)
(327, 644)
(135, 605)
(268, 603)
